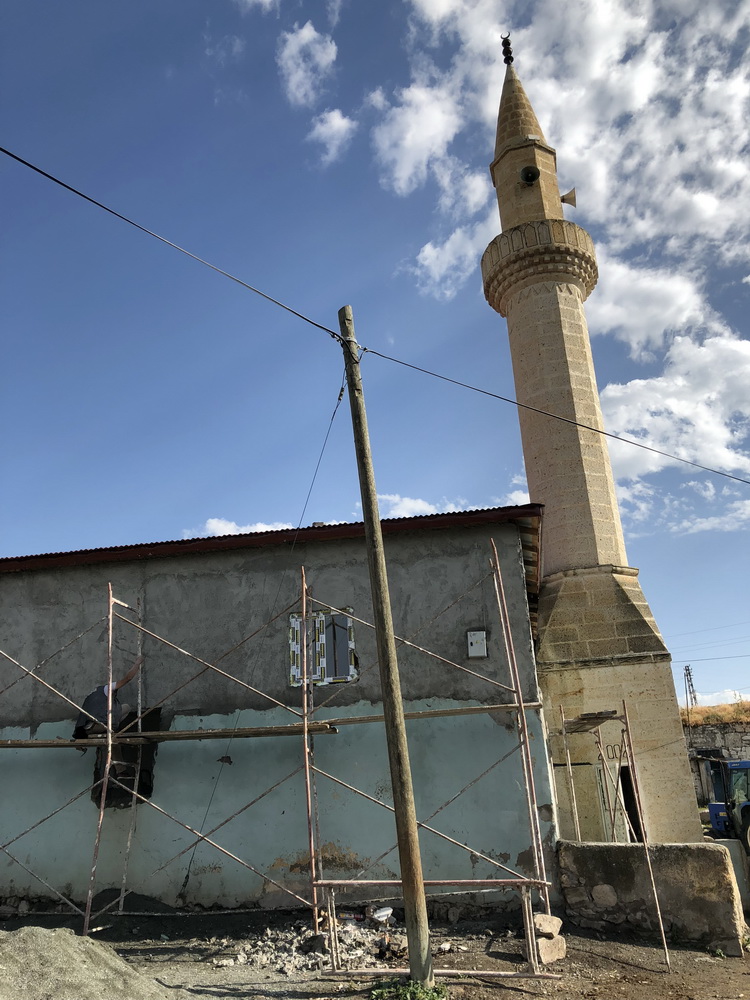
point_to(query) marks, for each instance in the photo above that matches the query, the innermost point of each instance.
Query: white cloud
(726, 697)
(222, 526)
(644, 306)
(376, 99)
(734, 517)
(705, 489)
(398, 506)
(305, 59)
(334, 131)
(649, 126)
(436, 11)
(442, 268)
(415, 133)
(462, 191)
(637, 501)
(225, 50)
(514, 499)
(333, 8)
(265, 5)
(698, 409)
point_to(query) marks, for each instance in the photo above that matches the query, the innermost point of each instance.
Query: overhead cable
(336, 336)
(320, 456)
(710, 659)
(557, 416)
(713, 628)
(169, 243)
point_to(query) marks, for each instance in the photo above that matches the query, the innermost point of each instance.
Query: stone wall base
(607, 887)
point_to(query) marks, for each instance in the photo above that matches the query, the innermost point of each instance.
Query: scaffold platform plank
(176, 735)
(438, 713)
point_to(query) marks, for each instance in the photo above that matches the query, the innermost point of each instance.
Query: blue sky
(335, 153)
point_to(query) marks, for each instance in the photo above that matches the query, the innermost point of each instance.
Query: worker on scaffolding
(95, 704)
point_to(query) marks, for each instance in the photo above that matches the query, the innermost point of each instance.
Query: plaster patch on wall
(332, 857)
(525, 860)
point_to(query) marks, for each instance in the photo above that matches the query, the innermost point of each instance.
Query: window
(331, 657)
(739, 784)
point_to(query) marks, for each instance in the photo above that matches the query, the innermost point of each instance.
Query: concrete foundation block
(740, 865)
(695, 885)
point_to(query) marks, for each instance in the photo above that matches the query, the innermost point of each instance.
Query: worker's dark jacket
(96, 704)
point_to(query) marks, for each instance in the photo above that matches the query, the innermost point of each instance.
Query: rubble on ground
(550, 944)
(60, 965)
(363, 943)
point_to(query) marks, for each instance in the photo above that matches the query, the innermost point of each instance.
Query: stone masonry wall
(732, 737)
(607, 887)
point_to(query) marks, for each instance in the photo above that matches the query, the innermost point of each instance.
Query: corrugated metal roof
(528, 517)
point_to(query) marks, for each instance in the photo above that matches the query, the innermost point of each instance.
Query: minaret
(597, 641)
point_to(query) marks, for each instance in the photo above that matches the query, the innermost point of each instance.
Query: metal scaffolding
(624, 756)
(306, 726)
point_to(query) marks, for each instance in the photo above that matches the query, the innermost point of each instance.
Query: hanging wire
(337, 336)
(320, 456)
(175, 246)
(556, 416)
(222, 761)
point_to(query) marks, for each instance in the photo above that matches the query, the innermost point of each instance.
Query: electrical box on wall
(477, 643)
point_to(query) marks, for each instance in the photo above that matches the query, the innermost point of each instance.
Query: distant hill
(711, 715)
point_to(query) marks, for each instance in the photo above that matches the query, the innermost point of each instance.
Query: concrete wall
(206, 604)
(607, 887)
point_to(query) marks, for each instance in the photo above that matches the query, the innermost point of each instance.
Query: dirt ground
(593, 968)
(212, 957)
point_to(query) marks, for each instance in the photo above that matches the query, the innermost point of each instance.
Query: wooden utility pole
(412, 883)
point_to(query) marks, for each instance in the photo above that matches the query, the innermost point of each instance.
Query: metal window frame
(318, 669)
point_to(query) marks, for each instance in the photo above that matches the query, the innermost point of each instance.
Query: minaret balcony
(549, 250)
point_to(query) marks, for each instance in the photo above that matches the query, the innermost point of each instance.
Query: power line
(337, 336)
(713, 628)
(223, 759)
(320, 457)
(169, 243)
(556, 416)
(710, 659)
(702, 646)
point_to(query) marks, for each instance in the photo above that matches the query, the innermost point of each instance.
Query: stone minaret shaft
(537, 273)
(597, 644)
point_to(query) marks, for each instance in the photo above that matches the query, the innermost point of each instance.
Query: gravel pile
(39, 964)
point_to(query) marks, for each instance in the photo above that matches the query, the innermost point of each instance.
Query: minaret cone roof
(516, 119)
